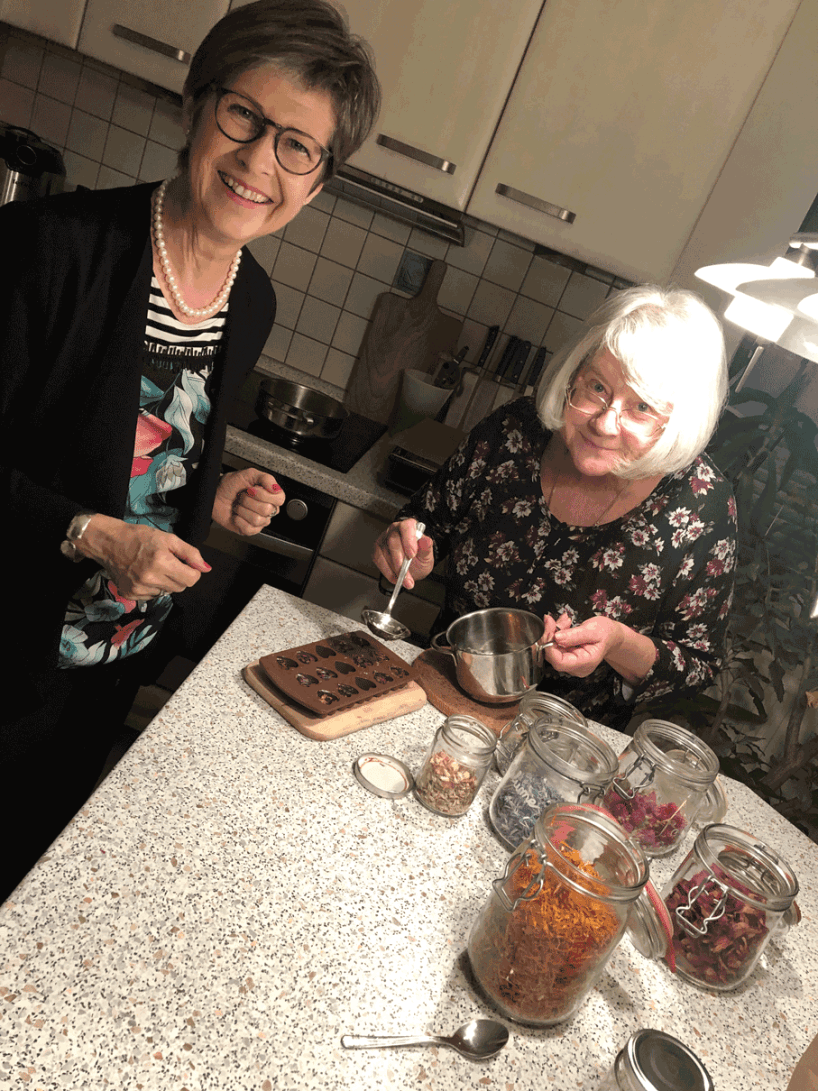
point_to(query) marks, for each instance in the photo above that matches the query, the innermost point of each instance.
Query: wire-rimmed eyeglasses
(239, 119)
(589, 395)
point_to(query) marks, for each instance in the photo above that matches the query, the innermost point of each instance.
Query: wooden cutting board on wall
(403, 333)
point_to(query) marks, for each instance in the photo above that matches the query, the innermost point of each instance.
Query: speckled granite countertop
(361, 487)
(231, 901)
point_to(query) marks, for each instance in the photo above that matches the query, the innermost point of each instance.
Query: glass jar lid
(758, 875)
(678, 752)
(654, 1061)
(470, 735)
(575, 752)
(383, 775)
(620, 861)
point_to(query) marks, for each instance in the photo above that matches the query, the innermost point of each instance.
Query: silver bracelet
(76, 529)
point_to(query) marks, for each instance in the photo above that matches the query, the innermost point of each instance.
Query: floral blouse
(664, 569)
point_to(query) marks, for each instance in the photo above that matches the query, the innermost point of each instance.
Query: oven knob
(297, 510)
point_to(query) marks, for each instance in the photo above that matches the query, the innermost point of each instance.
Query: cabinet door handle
(151, 43)
(415, 153)
(536, 203)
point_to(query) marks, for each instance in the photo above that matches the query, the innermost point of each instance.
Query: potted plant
(770, 676)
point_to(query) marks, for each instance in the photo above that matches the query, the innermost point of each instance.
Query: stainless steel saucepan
(496, 655)
(299, 409)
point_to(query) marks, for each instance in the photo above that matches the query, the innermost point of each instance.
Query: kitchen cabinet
(60, 21)
(770, 178)
(153, 39)
(446, 70)
(621, 118)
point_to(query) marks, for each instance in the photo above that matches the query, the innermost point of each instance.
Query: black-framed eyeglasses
(239, 119)
(588, 395)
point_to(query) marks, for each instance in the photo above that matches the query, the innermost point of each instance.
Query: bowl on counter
(496, 653)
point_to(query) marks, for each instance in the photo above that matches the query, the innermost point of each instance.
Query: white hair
(670, 347)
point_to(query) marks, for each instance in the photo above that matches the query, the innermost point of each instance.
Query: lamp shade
(764, 319)
(809, 307)
(801, 338)
(781, 293)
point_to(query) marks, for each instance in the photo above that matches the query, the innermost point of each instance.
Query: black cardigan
(75, 280)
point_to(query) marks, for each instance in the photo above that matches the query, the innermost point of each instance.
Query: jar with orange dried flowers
(556, 915)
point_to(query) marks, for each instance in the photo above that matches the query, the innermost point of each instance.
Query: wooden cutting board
(434, 671)
(403, 333)
(398, 702)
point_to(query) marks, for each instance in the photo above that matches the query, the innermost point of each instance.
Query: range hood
(398, 203)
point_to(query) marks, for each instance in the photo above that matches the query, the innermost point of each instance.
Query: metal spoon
(477, 1040)
(381, 622)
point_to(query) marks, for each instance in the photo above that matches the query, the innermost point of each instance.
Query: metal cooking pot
(299, 409)
(496, 653)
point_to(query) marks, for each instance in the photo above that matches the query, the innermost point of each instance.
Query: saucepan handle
(440, 647)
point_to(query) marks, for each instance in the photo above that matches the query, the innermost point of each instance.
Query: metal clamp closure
(693, 896)
(533, 889)
(625, 778)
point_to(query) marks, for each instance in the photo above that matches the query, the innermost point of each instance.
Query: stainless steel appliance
(29, 167)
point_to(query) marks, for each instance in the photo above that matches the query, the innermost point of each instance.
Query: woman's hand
(579, 649)
(142, 561)
(246, 501)
(398, 541)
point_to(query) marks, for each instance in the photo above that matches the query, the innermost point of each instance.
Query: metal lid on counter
(383, 775)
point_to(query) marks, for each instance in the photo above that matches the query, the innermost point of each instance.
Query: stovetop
(357, 435)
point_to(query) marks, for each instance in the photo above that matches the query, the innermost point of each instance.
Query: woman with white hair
(595, 506)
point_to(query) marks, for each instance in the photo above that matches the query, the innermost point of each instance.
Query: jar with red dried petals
(665, 776)
(728, 897)
(455, 765)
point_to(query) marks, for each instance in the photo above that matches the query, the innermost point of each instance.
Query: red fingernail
(276, 488)
(250, 491)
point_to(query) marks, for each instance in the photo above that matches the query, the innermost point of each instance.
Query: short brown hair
(308, 40)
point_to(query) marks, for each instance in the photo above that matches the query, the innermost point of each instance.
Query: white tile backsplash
(343, 242)
(294, 266)
(318, 319)
(332, 262)
(507, 265)
(22, 62)
(60, 77)
(380, 258)
(87, 135)
(349, 333)
(362, 294)
(491, 304)
(308, 229)
(16, 103)
(96, 93)
(133, 109)
(330, 281)
(289, 302)
(123, 150)
(157, 162)
(50, 119)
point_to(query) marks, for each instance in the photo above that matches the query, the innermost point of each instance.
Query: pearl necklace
(167, 271)
(604, 512)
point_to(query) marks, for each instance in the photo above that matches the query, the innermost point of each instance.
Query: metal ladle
(381, 622)
(477, 1040)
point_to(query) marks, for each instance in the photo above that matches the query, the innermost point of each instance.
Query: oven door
(282, 555)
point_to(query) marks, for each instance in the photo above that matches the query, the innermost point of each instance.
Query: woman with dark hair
(595, 506)
(131, 318)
